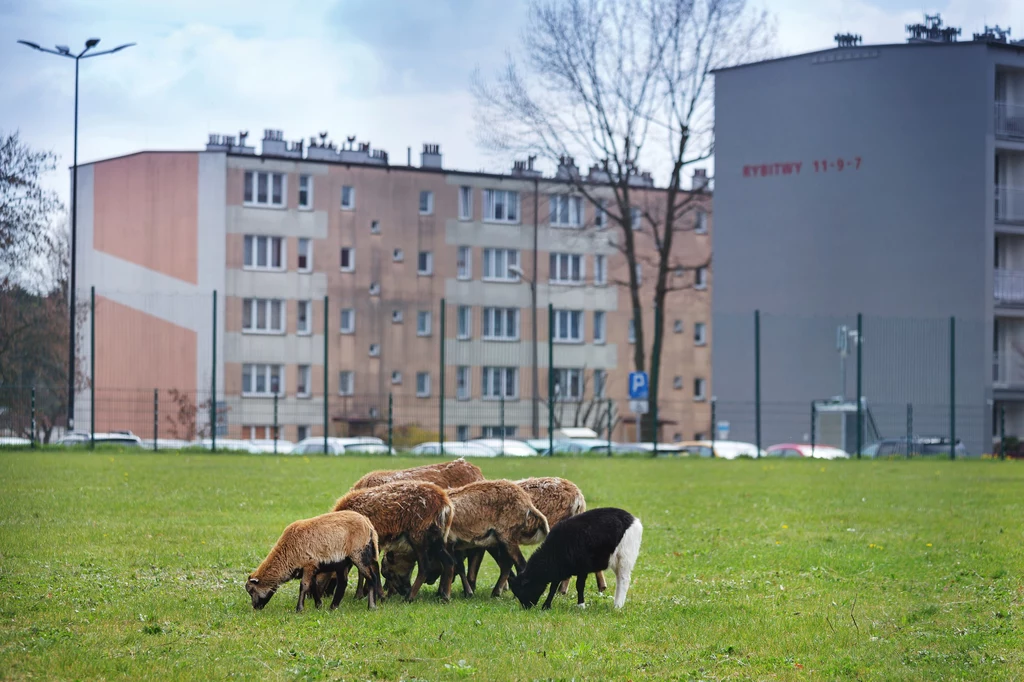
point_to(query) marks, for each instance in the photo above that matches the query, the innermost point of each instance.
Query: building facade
(886, 180)
(332, 264)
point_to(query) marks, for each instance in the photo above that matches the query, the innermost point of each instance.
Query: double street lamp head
(65, 51)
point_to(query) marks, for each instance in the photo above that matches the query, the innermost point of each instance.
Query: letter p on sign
(638, 385)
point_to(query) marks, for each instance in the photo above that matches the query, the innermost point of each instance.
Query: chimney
(430, 157)
(567, 168)
(408, 156)
(524, 169)
(700, 180)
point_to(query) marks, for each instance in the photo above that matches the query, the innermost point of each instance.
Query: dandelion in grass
(785, 526)
(928, 544)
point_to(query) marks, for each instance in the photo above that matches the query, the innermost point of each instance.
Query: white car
(455, 449)
(267, 445)
(340, 446)
(123, 438)
(232, 445)
(508, 447)
(724, 449)
(11, 441)
(805, 450)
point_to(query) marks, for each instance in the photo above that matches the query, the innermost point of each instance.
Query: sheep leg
(563, 587)
(308, 575)
(601, 584)
(474, 561)
(341, 577)
(314, 589)
(366, 571)
(551, 596)
(581, 580)
(422, 562)
(501, 555)
(467, 588)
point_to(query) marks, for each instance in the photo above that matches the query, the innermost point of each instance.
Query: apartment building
(330, 262)
(886, 180)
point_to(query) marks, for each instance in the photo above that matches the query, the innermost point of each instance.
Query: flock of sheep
(441, 519)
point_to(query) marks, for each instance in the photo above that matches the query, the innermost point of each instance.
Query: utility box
(835, 424)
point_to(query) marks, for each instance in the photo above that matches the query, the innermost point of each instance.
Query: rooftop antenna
(847, 39)
(351, 139)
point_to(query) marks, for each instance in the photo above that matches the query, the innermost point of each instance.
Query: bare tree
(624, 83)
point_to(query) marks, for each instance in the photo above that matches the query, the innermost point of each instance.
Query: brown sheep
(329, 543)
(446, 474)
(494, 515)
(416, 514)
(557, 499)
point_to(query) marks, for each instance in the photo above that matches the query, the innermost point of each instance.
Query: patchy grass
(123, 565)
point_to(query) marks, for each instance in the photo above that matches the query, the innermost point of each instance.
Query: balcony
(1008, 287)
(1008, 370)
(1009, 204)
(1010, 120)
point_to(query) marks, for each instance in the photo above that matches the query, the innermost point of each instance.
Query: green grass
(131, 566)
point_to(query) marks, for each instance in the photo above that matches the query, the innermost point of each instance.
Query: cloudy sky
(394, 72)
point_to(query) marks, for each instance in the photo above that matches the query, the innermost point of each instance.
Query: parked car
(232, 445)
(455, 449)
(508, 447)
(12, 442)
(723, 449)
(267, 445)
(920, 446)
(805, 450)
(341, 446)
(666, 448)
(122, 438)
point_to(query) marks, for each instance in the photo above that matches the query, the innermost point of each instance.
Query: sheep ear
(254, 581)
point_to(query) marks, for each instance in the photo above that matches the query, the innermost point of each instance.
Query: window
(601, 214)
(398, 255)
(304, 318)
(305, 256)
(700, 278)
(262, 380)
(701, 224)
(397, 316)
(697, 436)
(600, 269)
(464, 318)
(262, 315)
(425, 263)
(566, 268)
(426, 202)
(264, 189)
(348, 321)
(599, 334)
(422, 384)
(305, 192)
(423, 323)
(698, 389)
(346, 382)
(501, 206)
(348, 259)
(396, 377)
(499, 432)
(461, 432)
(569, 326)
(301, 433)
(348, 197)
(636, 218)
(258, 432)
(677, 326)
(263, 253)
(465, 203)
(501, 324)
(600, 383)
(498, 264)
(374, 227)
(568, 385)
(500, 381)
(462, 383)
(374, 288)
(700, 334)
(566, 211)
(303, 381)
(677, 383)
(464, 266)
(374, 350)
(631, 334)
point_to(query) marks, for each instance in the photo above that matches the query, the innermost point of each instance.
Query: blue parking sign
(638, 385)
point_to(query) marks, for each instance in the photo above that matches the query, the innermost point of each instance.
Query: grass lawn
(131, 566)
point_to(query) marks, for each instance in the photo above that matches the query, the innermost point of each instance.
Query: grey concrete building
(886, 180)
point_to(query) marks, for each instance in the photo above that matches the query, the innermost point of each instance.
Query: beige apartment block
(327, 257)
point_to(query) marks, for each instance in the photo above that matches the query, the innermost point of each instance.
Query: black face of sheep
(396, 575)
(526, 590)
(259, 596)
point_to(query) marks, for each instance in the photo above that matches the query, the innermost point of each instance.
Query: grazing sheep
(329, 543)
(446, 474)
(585, 543)
(557, 499)
(415, 513)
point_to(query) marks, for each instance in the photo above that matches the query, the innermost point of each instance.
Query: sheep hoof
(582, 605)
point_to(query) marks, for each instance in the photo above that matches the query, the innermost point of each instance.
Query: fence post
(1002, 432)
(326, 368)
(92, 368)
(610, 427)
(440, 375)
(714, 423)
(391, 403)
(757, 378)
(33, 417)
(814, 426)
(860, 387)
(213, 380)
(952, 387)
(156, 417)
(275, 424)
(910, 428)
(551, 379)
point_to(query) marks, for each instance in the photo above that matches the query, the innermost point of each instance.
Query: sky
(395, 73)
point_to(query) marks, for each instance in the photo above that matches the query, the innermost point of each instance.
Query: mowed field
(119, 565)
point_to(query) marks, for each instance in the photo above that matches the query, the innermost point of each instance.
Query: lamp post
(65, 51)
(534, 413)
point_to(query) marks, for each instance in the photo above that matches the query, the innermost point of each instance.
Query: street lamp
(65, 51)
(534, 412)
